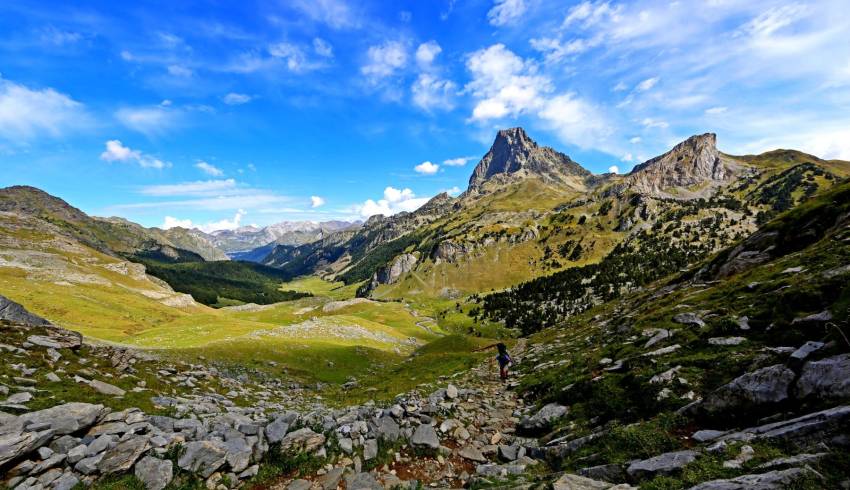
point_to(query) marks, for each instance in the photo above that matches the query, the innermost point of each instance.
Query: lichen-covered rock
(774, 480)
(825, 379)
(763, 387)
(663, 464)
(543, 419)
(154, 473)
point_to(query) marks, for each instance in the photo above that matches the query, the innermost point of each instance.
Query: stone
(77, 453)
(388, 429)
(663, 351)
(763, 387)
(65, 482)
(370, 449)
(276, 431)
(17, 444)
(298, 485)
(813, 320)
(725, 341)
(106, 388)
(346, 445)
(707, 435)
(88, 466)
(154, 473)
(302, 440)
(576, 482)
(15, 313)
(472, 454)
(44, 452)
(239, 454)
(451, 392)
(203, 457)
(805, 350)
(812, 428)
(826, 379)
(19, 398)
(123, 456)
(251, 472)
(745, 455)
(57, 338)
(509, 453)
(331, 479)
(774, 480)
(425, 436)
(689, 319)
(657, 335)
(99, 445)
(606, 472)
(68, 418)
(796, 461)
(52, 377)
(362, 481)
(663, 464)
(543, 419)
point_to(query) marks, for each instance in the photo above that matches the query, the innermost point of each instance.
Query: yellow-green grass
(320, 287)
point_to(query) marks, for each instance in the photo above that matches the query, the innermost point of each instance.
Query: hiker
(502, 357)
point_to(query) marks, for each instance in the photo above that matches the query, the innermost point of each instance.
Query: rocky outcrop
(692, 162)
(15, 313)
(759, 389)
(516, 156)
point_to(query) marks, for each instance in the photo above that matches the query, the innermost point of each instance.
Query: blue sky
(215, 114)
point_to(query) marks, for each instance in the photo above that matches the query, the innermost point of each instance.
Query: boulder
(302, 440)
(388, 429)
(123, 456)
(276, 431)
(154, 473)
(203, 457)
(763, 387)
(825, 379)
(15, 313)
(370, 449)
(803, 431)
(774, 480)
(663, 464)
(239, 454)
(362, 481)
(425, 436)
(689, 319)
(472, 454)
(606, 472)
(106, 388)
(576, 482)
(543, 419)
(66, 419)
(16, 444)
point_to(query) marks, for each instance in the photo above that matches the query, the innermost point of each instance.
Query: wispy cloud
(458, 162)
(209, 169)
(117, 152)
(27, 113)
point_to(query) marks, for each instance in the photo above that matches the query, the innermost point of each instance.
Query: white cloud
(322, 48)
(224, 224)
(576, 121)
(427, 168)
(394, 201)
(197, 188)
(716, 110)
(621, 86)
(635, 140)
(208, 169)
(654, 123)
(506, 12)
(29, 113)
(150, 121)
(384, 60)
(430, 92)
(647, 84)
(628, 157)
(613, 169)
(172, 222)
(457, 162)
(179, 71)
(316, 201)
(335, 13)
(296, 60)
(234, 98)
(454, 191)
(427, 52)
(555, 49)
(117, 152)
(504, 83)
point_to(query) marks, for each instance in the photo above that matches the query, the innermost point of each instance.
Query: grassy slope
(568, 368)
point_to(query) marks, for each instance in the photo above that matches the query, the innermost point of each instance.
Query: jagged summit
(694, 161)
(515, 155)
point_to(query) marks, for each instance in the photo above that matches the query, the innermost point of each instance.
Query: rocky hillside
(242, 242)
(532, 212)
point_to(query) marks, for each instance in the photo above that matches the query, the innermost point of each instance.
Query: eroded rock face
(66, 419)
(825, 379)
(15, 313)
(391, 273)
(760, 388)
(663, 464)
(773, 480)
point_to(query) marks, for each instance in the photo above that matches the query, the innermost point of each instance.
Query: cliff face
(514, 156)
(694, 161)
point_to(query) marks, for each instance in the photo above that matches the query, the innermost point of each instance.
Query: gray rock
(302, 440)
(707, 435)
(657, 336)
(299, 485)
(762, 387)
(52, 377)
(663, 464)
(68, 418)
(65, 482)
(51, 462)
(331, 479)
(15, 313)
(606, 472)
(370, 449)
(251, 472)
(106, 388)
(451, 392)
(154, 473)
(509, 453)
(807, 349)
(346, 445)
(796, 460)
(362, 481)
(825, 379)
(77, 453)
(813, 320)
(19, 398)
(425, 436)
(99, 445)
(203, 457)
(726, 341)
(17, 444)
(44, 452)
(774, 480)
(123, 456)
(543, 419)
(64, 444)
(388, 429)
(88, 466)
(689, 319)
(473, 454)
(238, 454)
(576, 482)
(802, 431)
(276, 431)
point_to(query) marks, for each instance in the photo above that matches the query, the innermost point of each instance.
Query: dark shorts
(503, 361)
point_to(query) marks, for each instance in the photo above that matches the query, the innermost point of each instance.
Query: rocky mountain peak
(515, 155)
(692, 162)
